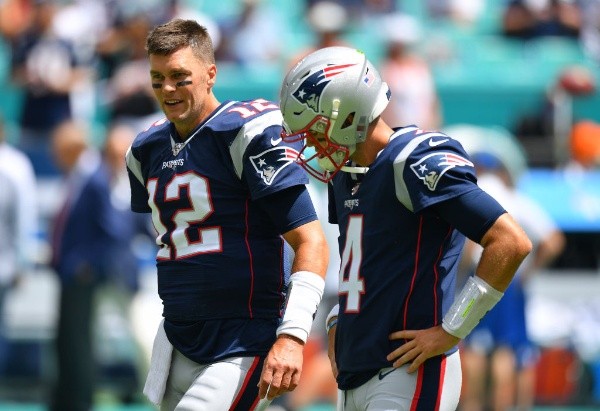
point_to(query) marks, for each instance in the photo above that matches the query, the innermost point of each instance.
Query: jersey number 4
(351, 283)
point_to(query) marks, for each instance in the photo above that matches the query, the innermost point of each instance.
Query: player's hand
(331, 350)
(420, 345)
(282, 367)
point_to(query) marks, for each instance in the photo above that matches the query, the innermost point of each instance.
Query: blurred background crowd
(514, 80)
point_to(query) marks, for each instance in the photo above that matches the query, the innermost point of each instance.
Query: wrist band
(475, 299)
(303, 297)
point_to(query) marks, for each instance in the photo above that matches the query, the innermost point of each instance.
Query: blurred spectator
(360, 10)
(9, 250)
(133, 235)
(82, 23)
(500, 343)
(48, 69)
(132, 228)
(128, 96)
(590, 31)
(378, 7)
(414, 96)
(178, 9)
(573, 82)
(462, 12)
(527, 19)
(328, 20)
(15, 17)
(18, 225)
(86, 230)
(252, 37)
(19, 168)
(94, 245)
(552, 122)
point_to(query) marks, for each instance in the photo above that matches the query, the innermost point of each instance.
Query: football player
(226, 198)
(404, 200)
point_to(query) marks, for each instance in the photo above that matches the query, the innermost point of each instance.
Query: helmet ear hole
(348, 121)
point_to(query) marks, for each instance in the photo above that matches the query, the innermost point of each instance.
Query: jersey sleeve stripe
(399, 164)
(134, 166)
(247, 133)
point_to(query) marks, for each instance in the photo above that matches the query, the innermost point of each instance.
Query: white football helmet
(335, 93)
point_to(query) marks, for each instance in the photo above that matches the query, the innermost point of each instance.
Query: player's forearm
(310, 248)
(307, 280)
(505, 246)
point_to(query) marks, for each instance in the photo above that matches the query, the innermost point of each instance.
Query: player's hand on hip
(420, 345)
(282, 367)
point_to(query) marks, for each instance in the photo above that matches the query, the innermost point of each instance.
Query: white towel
(160, 364)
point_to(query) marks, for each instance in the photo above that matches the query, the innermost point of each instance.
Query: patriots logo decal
(270, 162)
(432, 167)
(310, 90)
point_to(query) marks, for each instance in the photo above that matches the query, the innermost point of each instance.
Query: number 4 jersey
(219, 256)
(399, 258)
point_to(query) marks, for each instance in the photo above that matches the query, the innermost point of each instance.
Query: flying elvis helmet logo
(432, 167)
(271, 161)
(310, 90)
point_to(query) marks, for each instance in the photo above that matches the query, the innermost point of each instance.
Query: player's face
(182, 85)
(316, 140)
(330, 156)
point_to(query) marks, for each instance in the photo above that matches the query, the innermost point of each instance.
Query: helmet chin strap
(354, 168)
(327, 164)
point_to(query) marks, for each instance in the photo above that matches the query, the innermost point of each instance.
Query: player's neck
(210, 105)
(378, 137)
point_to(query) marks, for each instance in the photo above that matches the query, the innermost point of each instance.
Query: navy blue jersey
(220, 256)
(399, 258)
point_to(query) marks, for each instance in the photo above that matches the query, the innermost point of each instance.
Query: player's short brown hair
(178, 33)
